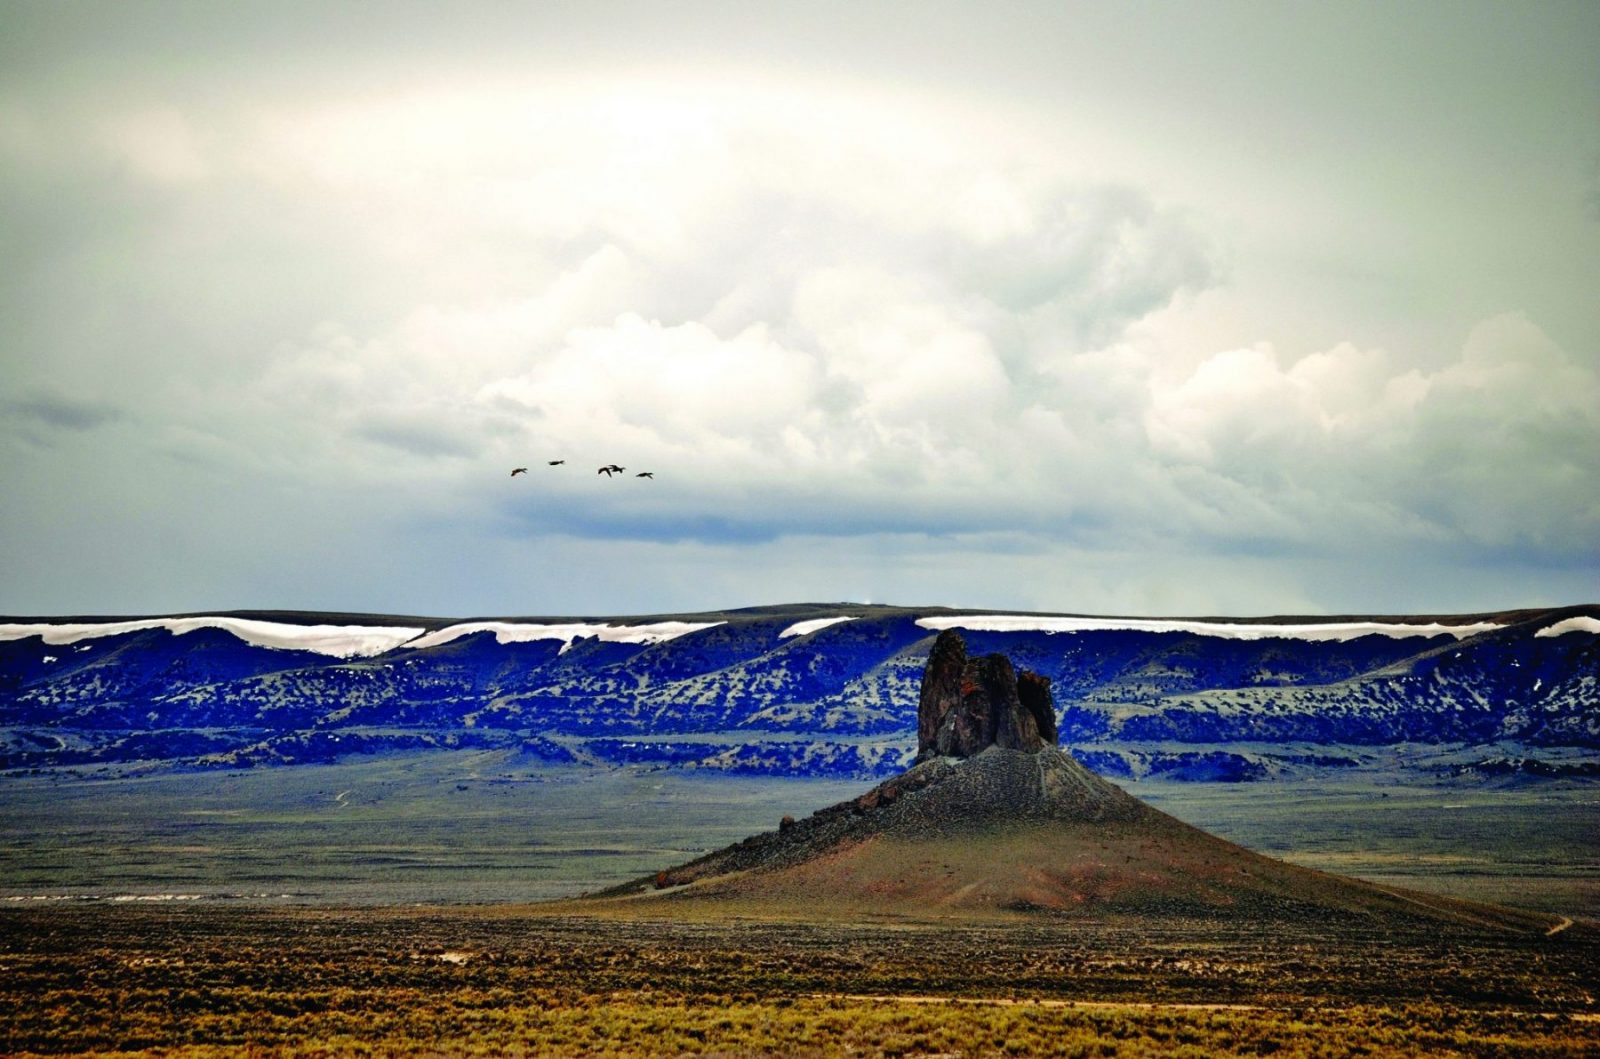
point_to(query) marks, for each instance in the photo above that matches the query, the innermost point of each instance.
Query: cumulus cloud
(794, 297)
(829, 320)
(1495, 448)
(957, 344)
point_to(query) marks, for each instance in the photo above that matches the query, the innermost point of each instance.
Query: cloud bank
(836, 322)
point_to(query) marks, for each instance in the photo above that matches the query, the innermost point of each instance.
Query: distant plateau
(806, 690)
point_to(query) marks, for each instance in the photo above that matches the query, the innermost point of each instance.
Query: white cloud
(956, 344)
(909, 353)
(841, 295)
(674, 387)
(813, 315)
(1496, 448)
(1243, 402)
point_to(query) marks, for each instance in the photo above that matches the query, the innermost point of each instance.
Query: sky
(1112, 308)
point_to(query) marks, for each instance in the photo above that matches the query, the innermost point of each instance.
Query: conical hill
(1014, 832)
(1009, 830)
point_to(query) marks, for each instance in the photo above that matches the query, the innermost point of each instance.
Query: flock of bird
(608, 470)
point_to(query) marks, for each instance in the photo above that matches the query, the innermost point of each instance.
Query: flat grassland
(209, 979)
(484, 827)
(304, 935)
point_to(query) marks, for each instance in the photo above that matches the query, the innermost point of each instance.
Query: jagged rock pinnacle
(970, 704)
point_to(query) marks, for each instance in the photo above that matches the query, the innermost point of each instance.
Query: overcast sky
(1242, 308)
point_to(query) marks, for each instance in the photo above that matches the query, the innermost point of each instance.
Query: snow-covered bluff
(799, 689)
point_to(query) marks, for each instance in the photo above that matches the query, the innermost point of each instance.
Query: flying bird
(607, 471)
(518, 470)
(619, 470)
(556, 463)
(645, 474)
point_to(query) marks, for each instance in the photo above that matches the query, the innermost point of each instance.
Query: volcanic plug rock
(996, 820)
(970, 704)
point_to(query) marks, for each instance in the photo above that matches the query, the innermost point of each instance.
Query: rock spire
(970, 704)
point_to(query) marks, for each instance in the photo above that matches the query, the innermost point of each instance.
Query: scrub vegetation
(217, 980)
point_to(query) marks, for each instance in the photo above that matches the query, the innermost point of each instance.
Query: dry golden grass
(652, 1024)
(211, 982)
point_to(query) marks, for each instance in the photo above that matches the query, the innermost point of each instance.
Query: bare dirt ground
(210, 980)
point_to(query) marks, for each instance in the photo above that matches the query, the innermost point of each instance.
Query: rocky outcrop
(941, 688)
(970, 704)
(1034, 691)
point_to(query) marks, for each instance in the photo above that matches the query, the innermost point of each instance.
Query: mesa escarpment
(997, 820)
(825, 690)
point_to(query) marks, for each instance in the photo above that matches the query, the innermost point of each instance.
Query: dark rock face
(970, 704)
(941, 688)
(1034, 691)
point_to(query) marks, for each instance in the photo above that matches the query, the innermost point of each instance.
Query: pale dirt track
(1043, 1002)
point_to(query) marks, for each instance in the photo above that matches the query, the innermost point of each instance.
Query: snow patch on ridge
(340, 641)
(802, 628)
(512, 632)
(1349, 630)
(1582, 623)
